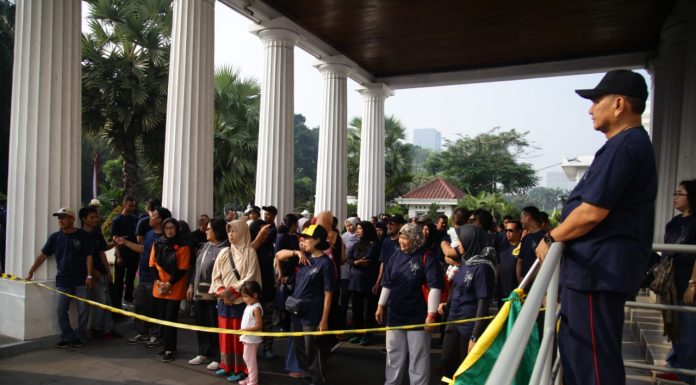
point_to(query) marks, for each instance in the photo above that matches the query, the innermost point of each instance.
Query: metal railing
(546, 284)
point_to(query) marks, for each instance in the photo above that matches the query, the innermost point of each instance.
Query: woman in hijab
(233, 266)
(199, 291)
(363, 257)
(169, 262)
(405, 274)
(349, 238)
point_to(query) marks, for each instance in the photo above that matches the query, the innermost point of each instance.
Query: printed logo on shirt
(468, 277)
(314, 271)
(414, 266)
(76, 244)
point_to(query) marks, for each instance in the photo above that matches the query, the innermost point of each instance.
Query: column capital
(375, 90)
(335, 64)
(277, 29)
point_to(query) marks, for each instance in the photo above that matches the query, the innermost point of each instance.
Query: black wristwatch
(548, 239)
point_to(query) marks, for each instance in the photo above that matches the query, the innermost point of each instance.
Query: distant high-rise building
(429, 138)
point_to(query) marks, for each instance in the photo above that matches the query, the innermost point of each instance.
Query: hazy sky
(556, 118)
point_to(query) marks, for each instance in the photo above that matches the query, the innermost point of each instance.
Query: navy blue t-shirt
(71, 251)
(99, 246)
(623, 179)
(389, 247)
(311, 282)
(507, 279)
(144, 272)
(363, 278)
(528, 250)
(142, 226)
(470, 284)
(124, 226)
(404, 275)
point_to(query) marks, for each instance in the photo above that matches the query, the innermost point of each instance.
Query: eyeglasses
(678, 194)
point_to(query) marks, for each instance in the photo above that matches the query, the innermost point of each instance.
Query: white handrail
(510, 356)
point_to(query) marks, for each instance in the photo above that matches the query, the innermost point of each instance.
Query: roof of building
(437, 188)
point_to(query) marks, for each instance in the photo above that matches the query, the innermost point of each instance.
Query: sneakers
(365, 340)
(77, 343)
(198, 360)
(221, 372)
(213, 366)
(236, 377)
(63, 344)
(153, 342)
(355, 339)
(161, 353)
(168, 356)
(139, 339)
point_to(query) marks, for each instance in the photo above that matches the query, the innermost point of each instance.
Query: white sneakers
(213, 366)
(198, 360)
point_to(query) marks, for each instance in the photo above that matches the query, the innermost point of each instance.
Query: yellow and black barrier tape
(239, 332)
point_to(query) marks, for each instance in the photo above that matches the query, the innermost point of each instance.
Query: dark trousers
(144, 303)
(124, 275)
(311, 353)
(455, 347)
(343, 297)
(208, 343)
(589, 340)
(168, 310)
(364, 308)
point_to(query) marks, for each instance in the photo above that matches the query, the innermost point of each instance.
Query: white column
(673, 115)
(275, 162)
(372, 178)
(332, 165)
(44, 159)
(188, 157)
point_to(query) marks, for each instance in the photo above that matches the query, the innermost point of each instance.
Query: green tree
(7, 28)
(306, 149)
(546, 199)
(125, 71)
(237, 102)
(493, 202)
(489, 162)
(397, 157)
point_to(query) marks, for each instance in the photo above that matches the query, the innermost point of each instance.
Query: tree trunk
(132, 185)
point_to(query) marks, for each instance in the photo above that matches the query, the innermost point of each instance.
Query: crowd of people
(308, 275)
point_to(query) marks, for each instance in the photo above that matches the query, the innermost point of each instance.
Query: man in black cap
(607, 225)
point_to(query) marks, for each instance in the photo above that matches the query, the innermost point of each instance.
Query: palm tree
(397, 157)
(125, 73)
(236, 131)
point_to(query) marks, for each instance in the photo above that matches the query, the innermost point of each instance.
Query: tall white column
(332, 164)
(275, 162)
(371, 177)
(188, 158)
(44, 159)
(673, 116)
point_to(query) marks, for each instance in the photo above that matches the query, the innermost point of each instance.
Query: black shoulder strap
(230, 257)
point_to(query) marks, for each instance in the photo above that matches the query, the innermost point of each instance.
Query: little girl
(252, 321)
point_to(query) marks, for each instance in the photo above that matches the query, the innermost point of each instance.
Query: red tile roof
(437, 188)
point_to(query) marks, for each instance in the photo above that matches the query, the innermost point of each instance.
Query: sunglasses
(510, 230)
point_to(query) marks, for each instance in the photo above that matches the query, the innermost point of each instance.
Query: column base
(28, 311)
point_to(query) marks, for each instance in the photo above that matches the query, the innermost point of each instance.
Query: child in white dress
(252, 321)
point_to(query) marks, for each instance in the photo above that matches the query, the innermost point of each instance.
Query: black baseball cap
(270, 209)
(396, 218)
(618, 82)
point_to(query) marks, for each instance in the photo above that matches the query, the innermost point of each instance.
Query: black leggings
(364, 308)
(455, 347)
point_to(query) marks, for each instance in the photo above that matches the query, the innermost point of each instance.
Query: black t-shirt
(682, 230)
(528, 250)
(199, 237)
(507, 279)
(389, 247)
(266, 255)
(99, 247)
(622, 179)
(71, 251)
(287, 241)
(143, 225)
(124, 226)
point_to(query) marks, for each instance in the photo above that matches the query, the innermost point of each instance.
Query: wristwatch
(548, 239)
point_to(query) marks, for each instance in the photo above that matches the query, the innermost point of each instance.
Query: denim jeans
(66, 331)
(101, 319)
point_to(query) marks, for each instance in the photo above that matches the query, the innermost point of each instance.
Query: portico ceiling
(408, 41)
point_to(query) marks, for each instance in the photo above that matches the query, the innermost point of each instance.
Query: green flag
(479, 362)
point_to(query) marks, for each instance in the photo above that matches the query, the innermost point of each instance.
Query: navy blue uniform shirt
(528, 250)
(144, 272)
(363, 278)
(622, 179)
(404, 275)
(507, 279)
(389, 247)
(311, 282)
(470, 284)
(71, 251)
(99, 246)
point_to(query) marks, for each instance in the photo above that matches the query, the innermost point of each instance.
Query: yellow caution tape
(239, 332)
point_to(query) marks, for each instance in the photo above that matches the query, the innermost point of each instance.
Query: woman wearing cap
(233, 266)
(199, 291)
(169, 262)
(363, 257)
(404, 276)
(310, 303)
